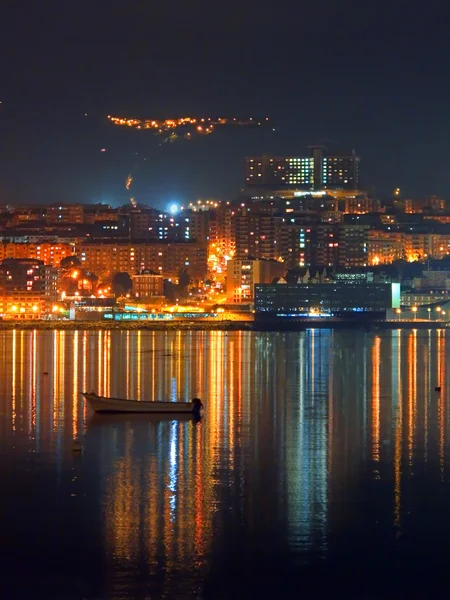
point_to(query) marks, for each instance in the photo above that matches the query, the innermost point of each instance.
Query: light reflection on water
(317, 449)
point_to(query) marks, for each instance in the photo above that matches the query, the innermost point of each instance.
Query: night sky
(371, 76)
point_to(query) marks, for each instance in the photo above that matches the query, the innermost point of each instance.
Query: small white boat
(102, 404)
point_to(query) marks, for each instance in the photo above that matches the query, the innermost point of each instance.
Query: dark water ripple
(321, 466)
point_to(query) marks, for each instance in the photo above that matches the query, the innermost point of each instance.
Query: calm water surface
(321, 466)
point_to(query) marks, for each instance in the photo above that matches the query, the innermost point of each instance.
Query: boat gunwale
(95, 397)
(105, 404)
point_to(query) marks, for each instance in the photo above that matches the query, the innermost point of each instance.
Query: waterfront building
(28, 288)
(283, 300)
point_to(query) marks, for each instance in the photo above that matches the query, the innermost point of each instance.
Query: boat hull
(101, 404)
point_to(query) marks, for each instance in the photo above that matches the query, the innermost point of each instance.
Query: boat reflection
(108, 419)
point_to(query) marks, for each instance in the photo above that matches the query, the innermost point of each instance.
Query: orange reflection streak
(215, 408)
(107, 363)
(139, 365)
(398, 439)
(100, 385)
(75, 390)
(153, 509)
(231, 407)
(238, 354)
(21, 370)
(127, 359)
(14, 375)
(441, 402)
(199, 536)
(412, 390)
(33, 381)
(179, 363)
(122, 524)
(231, 376)
(59, 404)
(153, 363)
(376, 400)
(55, 378)
(85, 339)
(427, 383)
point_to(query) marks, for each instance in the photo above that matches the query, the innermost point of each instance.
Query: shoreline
(126, 326)
(213, 326)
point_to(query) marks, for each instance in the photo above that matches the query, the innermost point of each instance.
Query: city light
(185, 127)
(174, 209)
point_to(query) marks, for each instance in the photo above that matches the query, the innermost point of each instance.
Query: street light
(429, 313)
(414, 309)
(398, 311)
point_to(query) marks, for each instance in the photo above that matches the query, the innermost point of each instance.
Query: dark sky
(367, 75)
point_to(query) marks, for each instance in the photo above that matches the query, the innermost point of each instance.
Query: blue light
(174, 209)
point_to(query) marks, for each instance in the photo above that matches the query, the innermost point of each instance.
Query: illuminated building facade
(360, 205)
(296, 245)
(26, 288)
(187, 225)
(384, 247)
(417, 246)
(331, 299)
(147, 285)
(65, 213)
(326, 245)
(166, 259)
(353, 245)
(316, 171)
(256, 236)
(433, 204)
(242, 275)
(22, 275)
(22, 305)
(48, 253)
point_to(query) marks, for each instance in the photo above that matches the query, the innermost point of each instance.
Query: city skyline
(342, 78)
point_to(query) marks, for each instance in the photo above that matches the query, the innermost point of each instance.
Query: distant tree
(183, 281)
(121, 283)
(169, 290)
(70, 262)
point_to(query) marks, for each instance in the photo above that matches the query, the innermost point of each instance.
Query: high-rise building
(243, 275)
(340, 172)
(353, 245)
(256, 236)
(319, 170)
(276, 171)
